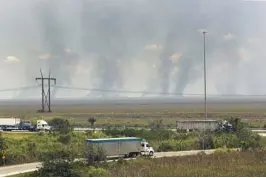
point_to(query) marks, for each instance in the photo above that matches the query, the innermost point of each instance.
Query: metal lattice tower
(46, 101)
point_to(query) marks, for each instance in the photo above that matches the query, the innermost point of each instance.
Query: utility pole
(49, 91)
(205, 86)
(44, 97)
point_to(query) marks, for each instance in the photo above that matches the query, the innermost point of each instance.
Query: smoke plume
(147, 45)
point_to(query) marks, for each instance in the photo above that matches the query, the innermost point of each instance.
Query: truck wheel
(133, 155)
(151, 153)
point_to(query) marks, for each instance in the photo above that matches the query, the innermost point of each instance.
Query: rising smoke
(148, 45)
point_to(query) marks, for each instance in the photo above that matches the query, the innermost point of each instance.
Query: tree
(237, 125)
(64, 138)
(156, 124)
(92, 121)
(60, 125)
(246, 138)
(58, 163)
(207, 142)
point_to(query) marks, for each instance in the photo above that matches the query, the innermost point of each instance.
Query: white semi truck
(9, 124)
(117, 147)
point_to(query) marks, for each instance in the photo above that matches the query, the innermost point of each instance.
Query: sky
(138, 45)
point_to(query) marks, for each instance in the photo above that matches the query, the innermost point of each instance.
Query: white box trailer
(9, 121)
(126, 146)
(197, 124)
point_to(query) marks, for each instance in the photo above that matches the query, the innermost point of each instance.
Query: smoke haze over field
(143, 45)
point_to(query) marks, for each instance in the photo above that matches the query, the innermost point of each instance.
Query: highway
(262, 134)
(18, 169)
(79, 129)
(30, 167)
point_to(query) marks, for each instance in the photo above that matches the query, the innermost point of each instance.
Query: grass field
(219, 164)
(16, 135)
(141, 115)
(232, 164)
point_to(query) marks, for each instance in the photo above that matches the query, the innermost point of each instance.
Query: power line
(117, 91)
(148, 92)
(19, 88)
(127, 91)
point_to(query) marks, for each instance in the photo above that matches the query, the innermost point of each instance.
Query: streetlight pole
(205, 87)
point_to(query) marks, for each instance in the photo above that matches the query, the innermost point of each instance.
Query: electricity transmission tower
(46, 101)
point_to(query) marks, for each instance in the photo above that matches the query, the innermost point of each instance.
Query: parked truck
(212, 125)
(117, 147)
(41, 125)
(9, 124)
(190, 125)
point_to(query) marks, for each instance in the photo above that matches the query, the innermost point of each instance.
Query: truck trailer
(190, 125)
(118, 147)
(212, 125)
(9, 121)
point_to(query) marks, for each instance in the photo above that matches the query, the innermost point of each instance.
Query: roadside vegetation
(219, 164)
(229, 164)
(58, 149)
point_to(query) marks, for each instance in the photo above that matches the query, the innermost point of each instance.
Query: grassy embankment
(251, 164)
(220, 164)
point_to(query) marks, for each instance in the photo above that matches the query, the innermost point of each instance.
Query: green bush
(166, 146)
(225, 140)
(146, 134)
(206, 142)
(30, 149)
(96, 172)
(222, 150)
(175, 145)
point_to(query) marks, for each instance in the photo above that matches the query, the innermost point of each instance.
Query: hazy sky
(144, 45)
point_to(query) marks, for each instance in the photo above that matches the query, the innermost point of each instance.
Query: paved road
(262, 134)
(18, 169)
(30, 167)
(139, 128)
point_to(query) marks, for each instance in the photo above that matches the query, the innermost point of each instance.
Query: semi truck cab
(146, 149)
(43, 125)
